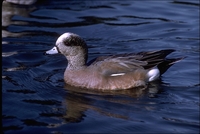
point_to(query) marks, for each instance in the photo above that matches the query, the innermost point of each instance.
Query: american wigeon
(112, 72)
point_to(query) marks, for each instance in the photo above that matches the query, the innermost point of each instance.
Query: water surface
(34, 98)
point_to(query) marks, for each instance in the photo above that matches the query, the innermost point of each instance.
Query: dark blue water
(34, 99)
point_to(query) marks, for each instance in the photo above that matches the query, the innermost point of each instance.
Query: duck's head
(73, 47)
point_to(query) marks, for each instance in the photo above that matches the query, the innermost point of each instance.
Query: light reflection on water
(33, 91)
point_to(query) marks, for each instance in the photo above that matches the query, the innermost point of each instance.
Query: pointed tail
(166, 64)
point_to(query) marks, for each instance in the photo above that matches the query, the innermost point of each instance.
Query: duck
(110, 72)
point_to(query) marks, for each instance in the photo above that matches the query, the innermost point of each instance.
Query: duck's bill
(54, 50)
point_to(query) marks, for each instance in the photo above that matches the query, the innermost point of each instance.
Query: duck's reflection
(108, 103)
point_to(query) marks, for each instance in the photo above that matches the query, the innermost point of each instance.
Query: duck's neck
(76, 62)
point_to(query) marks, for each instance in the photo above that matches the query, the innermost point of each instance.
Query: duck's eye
(67, 42)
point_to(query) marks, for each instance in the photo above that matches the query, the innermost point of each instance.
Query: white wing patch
(119, 74)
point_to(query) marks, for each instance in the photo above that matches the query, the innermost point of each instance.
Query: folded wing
(124, 63)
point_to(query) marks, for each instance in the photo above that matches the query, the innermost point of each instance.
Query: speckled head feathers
(71, 39)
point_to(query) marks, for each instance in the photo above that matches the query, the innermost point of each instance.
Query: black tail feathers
(167, 63)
